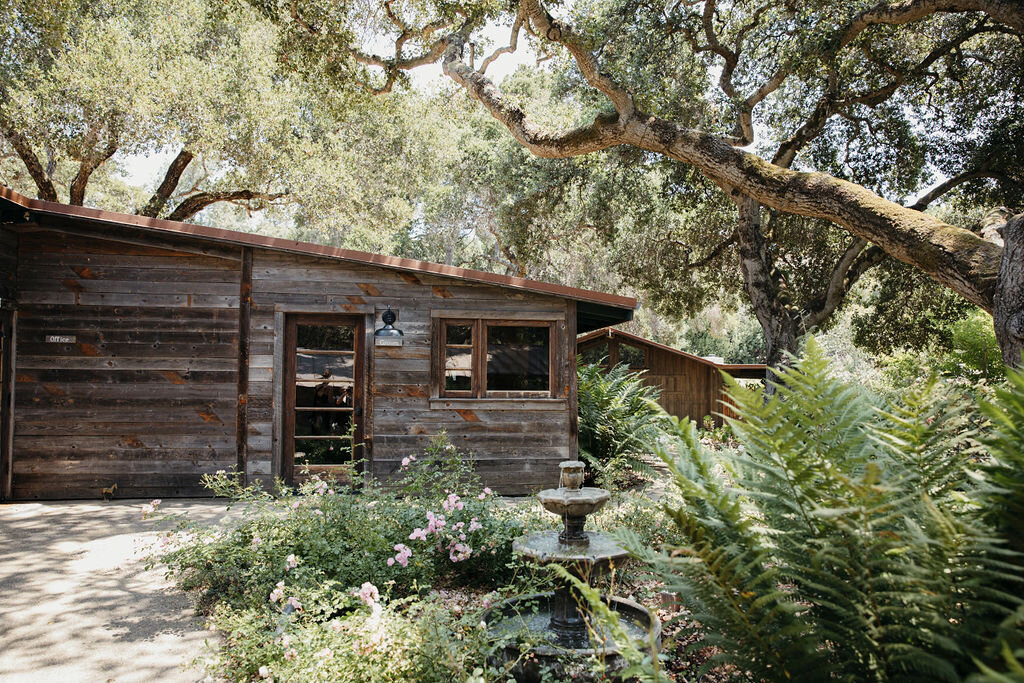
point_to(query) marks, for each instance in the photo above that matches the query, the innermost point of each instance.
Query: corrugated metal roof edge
(306, 248)
(612, 332)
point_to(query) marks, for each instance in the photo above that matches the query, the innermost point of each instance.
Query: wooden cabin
(690, 386)
(145, 353)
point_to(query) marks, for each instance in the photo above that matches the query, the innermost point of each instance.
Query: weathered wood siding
(8, 263)
(688, 387)
(517, 444)
(146, 395)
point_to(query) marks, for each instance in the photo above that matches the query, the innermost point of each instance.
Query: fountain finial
(571, 476)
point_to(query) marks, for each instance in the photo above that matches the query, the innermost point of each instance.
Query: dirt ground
(77, 603)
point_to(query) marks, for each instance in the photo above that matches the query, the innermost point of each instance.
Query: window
(458, 358)
(595, 355)
(495, 359)
(633, 356)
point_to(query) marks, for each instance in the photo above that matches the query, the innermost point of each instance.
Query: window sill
(499, 403)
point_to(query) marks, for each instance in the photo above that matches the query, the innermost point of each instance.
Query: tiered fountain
(557, 620)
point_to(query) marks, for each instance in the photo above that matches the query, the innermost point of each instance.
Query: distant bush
(846, 542)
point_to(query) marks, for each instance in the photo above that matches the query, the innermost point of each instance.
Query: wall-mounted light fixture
(388, 335)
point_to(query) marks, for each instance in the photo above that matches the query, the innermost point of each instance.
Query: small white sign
(387, 341)
(61, 339)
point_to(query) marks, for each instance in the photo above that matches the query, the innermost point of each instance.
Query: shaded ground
(77, 603)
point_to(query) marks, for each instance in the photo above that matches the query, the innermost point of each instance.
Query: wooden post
(570, 345)
(244, 315)
(277, 441)
(369, 321)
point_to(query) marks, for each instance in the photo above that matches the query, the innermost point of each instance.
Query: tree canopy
(701, 148)
(85, 85)
(832, 113)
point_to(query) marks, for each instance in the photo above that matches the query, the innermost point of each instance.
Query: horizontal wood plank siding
(146, 394)
(515, 451)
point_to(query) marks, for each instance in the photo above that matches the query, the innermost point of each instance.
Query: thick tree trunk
(1008, 311)
(170, 182)
(40, 176)
(779, 321)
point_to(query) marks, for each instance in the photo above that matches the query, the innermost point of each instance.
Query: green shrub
(346, 537)
(619, 420)
(845, 542)
(376, 640)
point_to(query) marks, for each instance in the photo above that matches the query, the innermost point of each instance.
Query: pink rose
(368, 593)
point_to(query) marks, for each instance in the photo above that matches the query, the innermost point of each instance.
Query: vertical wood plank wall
(688, 388)
(516, 449)
(145, 397)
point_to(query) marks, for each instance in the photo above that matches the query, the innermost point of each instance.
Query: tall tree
(85, 85)
(794, 69)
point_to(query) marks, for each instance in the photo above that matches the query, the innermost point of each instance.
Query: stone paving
(77, 603)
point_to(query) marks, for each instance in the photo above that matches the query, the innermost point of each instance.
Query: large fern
(847, 541)
(619, 417)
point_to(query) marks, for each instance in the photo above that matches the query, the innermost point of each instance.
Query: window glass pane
(322, 452)
(518, 358)
(323, 394)
(322, 422)
(458, 334)
(458, 370)
(598, 353)
(631, 355)
(325, 367)
(325, 337)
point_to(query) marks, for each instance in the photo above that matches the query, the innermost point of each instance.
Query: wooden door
(323, 395)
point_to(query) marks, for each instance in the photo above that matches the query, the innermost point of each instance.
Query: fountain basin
(573, 502)
(544, 547)
(527, 618)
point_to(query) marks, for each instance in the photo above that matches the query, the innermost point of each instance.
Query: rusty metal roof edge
(613, 332)
(318, 250)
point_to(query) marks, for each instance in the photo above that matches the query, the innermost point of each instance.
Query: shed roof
(594, 309)
(739, 370)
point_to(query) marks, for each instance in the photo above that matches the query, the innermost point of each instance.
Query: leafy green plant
(619, 419)
(846, 542)
(974, 352)
(326, 532)
(438, 470)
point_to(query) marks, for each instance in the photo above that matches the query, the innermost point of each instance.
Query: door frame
(359, 392)
(7, 331)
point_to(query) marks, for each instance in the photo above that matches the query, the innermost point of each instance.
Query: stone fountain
(556, 620)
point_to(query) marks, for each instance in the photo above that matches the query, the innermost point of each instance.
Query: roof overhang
(594, 309)
(737, 370)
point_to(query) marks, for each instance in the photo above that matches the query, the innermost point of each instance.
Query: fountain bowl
(529, 615)
(573, 502)
(544, 547)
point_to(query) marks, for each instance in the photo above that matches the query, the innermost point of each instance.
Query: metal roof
(594, 309)
(740, 370)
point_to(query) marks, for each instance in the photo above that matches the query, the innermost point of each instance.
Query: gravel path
(77, 603)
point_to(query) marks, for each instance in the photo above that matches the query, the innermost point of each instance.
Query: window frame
(478, 336)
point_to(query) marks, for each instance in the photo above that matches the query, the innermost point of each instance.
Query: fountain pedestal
(559, 618)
